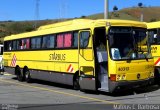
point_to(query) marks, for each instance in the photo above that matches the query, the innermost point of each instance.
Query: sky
(21, 10)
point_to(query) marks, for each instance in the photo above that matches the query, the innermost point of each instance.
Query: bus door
(101, 59)
(86, 61)
(1, 59)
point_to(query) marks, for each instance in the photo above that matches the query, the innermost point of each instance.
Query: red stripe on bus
(71, 70)
(69, 67)
(14, 59)
(157, 61)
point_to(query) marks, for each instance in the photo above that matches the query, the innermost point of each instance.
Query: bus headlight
(123, 77)
(118, 77)
(151, 74)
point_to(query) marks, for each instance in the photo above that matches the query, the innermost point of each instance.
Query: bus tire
(156, 77)
(27, 75)
(76, 85)
(20, 75)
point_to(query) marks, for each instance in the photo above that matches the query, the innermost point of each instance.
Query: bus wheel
(76, 85)
(27, 76)
(157, 77)
(20, 77)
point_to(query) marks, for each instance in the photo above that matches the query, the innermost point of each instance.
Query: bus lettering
(123, 69)
(59, 57)
(154, 48)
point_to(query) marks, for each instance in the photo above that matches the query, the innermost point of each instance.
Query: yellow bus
(103, 55)
(154, 34)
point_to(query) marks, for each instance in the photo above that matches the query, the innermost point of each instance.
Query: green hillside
(150, 14)
(12, 27)
(15, 27)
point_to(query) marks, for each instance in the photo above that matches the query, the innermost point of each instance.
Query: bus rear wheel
(20, 76)
(27, 75)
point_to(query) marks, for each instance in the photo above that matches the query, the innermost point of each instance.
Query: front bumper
(123, 85)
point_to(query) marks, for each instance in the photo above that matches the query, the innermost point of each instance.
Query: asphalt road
(40, 95)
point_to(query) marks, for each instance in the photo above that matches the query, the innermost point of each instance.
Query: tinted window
(51, 42)
(75, 39)
(38, 43)
(25, 44)
(33, 43)
(67, 40)
(14, 45)
(64, 40)
(44, 42)
(19, 44)
(60, 40)
(48, 41)
(9, 45)
(84, 39)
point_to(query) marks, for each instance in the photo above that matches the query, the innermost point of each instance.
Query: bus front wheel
(76, 85)
(157, 77)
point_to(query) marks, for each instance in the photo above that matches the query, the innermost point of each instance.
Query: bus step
(103, 89)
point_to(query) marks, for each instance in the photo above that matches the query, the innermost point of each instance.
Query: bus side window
(38, 43)
(24, 44)
(14, 45)
(75, 39)
(44, 42)
(51, 41)
(21, 44)
(33, 43)
(60, 40)
(48, 41)
(10, 45)
(67, 40)
(27, 43)
(84, 39)
(7, 45)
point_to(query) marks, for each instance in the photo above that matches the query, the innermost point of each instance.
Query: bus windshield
(128, 43)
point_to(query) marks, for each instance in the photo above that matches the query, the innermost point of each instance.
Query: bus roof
(76, 24)
(89, 22)
(153, 25)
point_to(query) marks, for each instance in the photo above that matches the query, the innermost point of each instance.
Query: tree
(115, 8)
(140, 5)
(83, 16)
(153, 19)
